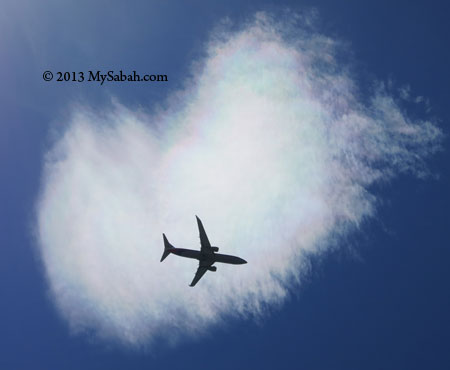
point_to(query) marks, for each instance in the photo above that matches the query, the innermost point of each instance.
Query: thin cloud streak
(270, 146)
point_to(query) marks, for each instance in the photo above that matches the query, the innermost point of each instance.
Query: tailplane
(167, 248)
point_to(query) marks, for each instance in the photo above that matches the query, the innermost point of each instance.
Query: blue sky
(377, 299)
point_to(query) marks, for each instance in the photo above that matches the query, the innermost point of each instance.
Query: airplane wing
(205, 244)
(198, 275)
(202, 268)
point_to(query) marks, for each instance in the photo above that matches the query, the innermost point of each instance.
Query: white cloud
(269, 145)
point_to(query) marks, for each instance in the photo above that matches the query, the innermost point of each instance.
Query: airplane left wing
(198, 275)
(202, 268)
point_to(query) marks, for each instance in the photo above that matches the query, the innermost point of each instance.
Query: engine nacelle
(215, 249)
(212, 268)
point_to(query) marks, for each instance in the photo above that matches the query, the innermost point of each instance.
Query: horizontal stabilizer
(167, 248)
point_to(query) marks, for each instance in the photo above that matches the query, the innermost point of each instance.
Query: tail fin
(167, 248)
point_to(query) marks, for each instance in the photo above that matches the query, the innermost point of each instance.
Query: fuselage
(212, 257)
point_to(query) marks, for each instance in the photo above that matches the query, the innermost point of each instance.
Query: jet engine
(215, 249)
(212, 268)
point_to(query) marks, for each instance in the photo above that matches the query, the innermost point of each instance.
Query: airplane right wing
(205, 244)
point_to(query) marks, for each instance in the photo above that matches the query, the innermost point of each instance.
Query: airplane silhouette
(207, 255)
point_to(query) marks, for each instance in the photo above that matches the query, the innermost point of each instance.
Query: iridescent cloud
(270, 145)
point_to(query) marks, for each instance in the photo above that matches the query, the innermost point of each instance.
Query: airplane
(207, 255)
